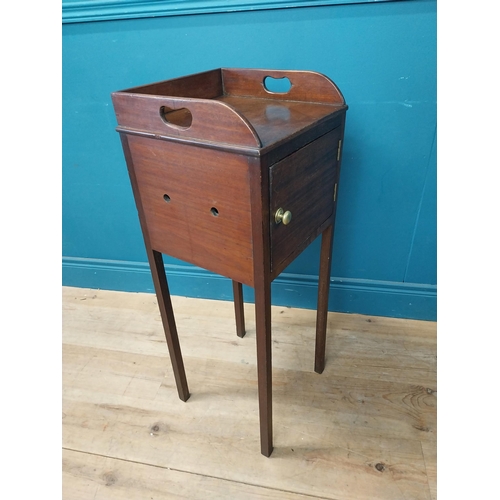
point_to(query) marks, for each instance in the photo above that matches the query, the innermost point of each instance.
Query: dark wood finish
(259, 182)
(264, 364)
(323, 293)
(205, 85)
(206, 222)
(213, 121)
(211, 158)
(307, 86)
(278, 269)
(280, 121)
(168, 320)
(303, 183)
(160, 283)
(238, 309)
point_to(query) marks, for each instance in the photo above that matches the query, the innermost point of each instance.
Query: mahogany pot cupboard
(238, 179)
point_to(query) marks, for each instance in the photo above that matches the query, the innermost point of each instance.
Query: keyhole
(166, 197)
(214, 211)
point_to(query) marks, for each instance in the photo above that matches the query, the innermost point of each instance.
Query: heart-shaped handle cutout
(181, 118)
(277, 85)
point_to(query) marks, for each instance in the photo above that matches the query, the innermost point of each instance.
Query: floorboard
(363, 430)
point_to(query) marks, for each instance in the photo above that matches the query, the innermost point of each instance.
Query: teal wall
(382, 55)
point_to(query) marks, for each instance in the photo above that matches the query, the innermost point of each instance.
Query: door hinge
(335, 193)
(338, 150)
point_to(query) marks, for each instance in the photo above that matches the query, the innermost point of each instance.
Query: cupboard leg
(238, 308)
(323, 291)
(167, 317)
(264, 367)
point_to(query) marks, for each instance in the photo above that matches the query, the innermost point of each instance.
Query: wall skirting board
(378, 298)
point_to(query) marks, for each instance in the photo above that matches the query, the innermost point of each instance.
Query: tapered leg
(323, 291)
(167, 316)
(161, 287)
(238, 308)
(264, 368)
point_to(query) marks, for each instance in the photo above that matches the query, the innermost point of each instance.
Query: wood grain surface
(308, 86)
(206, 219)
(201, 204)
(218, 113)
(302, 183)
(364, 429)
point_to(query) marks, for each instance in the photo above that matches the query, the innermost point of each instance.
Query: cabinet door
(304, 184)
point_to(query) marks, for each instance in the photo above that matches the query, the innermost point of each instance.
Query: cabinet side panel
(196, 204)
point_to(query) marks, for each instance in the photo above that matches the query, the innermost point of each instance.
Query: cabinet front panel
(303, 184)
(196, 204)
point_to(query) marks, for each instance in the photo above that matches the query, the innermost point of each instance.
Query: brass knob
(282, 216)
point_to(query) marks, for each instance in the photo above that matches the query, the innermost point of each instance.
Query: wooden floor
(363, 430)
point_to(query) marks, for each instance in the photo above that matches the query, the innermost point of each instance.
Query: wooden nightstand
(234, 178)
